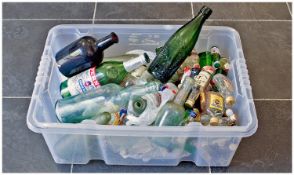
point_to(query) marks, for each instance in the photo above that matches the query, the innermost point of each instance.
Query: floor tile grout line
(94, 14)
(289, 9)
(192, 10)
(133, 19)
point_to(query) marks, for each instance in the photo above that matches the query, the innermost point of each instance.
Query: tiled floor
(265, 30)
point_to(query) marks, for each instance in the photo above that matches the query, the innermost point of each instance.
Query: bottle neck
(184, 91)
(202, 15)
(135, 63)
(107, 41)
(139, 90)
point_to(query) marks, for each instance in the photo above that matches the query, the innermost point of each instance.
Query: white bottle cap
(151, 55)
(229, 112)
(135, 63)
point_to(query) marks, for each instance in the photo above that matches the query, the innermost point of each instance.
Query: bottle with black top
(83, 53)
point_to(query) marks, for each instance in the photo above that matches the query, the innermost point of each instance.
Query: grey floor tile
(143, 11)
(100, 166)
(48, 10)
(267, 50)
(23, 44)
(269, 149)
(23, 150)
(246, 10)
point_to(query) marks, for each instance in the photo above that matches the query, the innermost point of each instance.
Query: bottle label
(83, 82)
(216, 102)
(202, 78)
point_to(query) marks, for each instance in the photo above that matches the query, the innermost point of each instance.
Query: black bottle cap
(206, 11)
(147, 59)
(114, 37)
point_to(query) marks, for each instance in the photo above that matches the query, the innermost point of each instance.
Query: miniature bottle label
(202, 78)
(216, 102)
(83, 82)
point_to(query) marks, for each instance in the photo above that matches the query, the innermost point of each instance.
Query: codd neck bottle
(82, 54)
(109, 98)
(107, 72)
(170, 57)
(173, 113)
(215, 54)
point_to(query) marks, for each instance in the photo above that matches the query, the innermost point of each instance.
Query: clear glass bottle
(143, 110)
(225, 87)
(132, 78)
(173, 112)
(109, 98)
(214, 104)
(201, 82)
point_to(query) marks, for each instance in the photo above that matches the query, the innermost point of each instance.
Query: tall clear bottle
(173, 112)
(109, 98)
(82, 54)
(170, 57)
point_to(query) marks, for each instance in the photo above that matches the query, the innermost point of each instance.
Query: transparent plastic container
(140, 145)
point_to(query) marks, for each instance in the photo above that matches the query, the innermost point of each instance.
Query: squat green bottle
(170, 57)
(107, 72)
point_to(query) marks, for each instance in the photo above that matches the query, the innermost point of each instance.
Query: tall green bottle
(107, 72)
(170, 57)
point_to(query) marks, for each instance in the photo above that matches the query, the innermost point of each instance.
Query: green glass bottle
(108, 98)
(205, 59)
(107, 72)
(173, 112)
(174, 52)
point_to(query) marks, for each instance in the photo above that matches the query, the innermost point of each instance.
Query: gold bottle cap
(230, 100)
(213, 121)
(189, 103)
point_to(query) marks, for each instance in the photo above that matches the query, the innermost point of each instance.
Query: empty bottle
(215, 53)
(109, 98)
(214, 104)
(145, 109)
(133, 77)
(205, 59)
(178, 47)
(82, 54)
(173, 112)
(225, 87)
(232, 117)
(107, 72)
(201, 83)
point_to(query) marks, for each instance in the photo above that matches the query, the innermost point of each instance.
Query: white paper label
(202, 78)
(83, 82)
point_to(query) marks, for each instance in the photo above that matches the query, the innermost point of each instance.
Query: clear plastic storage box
(138, 145)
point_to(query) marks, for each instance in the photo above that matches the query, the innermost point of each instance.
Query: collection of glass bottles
(174, 86)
